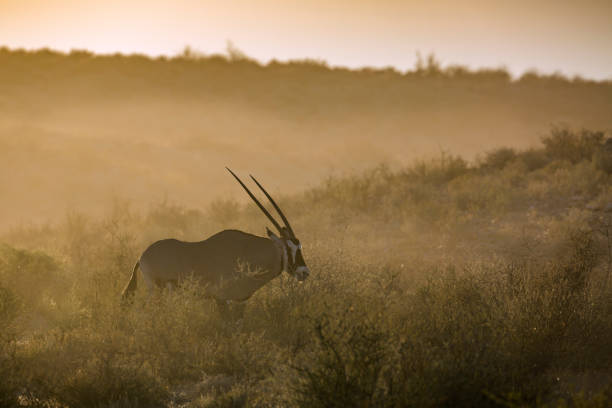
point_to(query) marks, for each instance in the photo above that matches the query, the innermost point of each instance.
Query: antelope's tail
(130, 288)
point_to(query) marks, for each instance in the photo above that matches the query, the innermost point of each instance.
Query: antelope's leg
(170, 286)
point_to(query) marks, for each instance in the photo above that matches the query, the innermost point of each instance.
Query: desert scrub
(467, 337)
(573, 146)
(10, 308)
(349, 365)
(445, 283)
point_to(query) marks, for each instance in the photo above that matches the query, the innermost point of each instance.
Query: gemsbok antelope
(231, 265)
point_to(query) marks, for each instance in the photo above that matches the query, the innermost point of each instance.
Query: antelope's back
(211, 260)
(222, 253)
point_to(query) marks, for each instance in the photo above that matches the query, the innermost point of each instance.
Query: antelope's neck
(282, 251)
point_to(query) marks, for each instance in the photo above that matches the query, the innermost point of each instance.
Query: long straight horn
(278, 210)
(261, 207)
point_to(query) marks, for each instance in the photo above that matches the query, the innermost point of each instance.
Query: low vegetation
(145, 128)
(445, 283)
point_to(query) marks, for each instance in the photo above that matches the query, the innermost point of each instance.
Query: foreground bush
(488, 334)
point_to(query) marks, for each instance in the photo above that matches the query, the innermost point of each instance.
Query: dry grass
(442, 284)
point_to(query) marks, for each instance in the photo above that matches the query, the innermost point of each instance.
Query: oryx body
(230, 265)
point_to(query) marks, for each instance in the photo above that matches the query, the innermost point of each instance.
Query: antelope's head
(293, 261)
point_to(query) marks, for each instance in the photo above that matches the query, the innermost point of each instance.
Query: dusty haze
(78, 131)
(455, 210)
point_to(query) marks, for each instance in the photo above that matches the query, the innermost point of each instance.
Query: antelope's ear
(270, 233)
(286, 233)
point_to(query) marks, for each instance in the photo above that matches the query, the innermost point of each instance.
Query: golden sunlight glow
(566, 36)
(448, 176)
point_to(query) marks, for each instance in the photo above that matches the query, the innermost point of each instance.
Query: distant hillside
(78, 129)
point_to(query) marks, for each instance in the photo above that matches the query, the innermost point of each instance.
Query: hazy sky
(573, 37)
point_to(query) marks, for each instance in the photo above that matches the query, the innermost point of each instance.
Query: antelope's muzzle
(301, 273)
